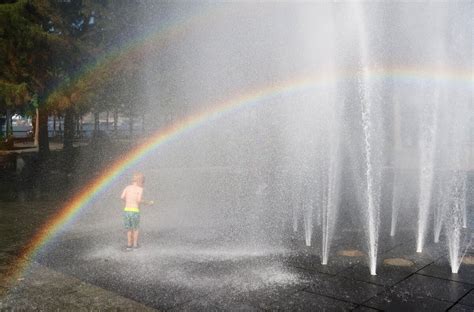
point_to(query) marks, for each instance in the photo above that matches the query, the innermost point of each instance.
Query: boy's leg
(135, 238)
(129, 238)
(136, 222)
(127, 224)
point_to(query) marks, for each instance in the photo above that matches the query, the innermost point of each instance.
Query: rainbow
(187, 125)
(192, 122)
(152, 40)
(160, 138)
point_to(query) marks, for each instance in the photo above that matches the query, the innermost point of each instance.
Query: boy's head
(138, 178)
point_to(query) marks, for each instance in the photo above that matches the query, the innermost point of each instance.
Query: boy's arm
(145, 202)
(124, 193)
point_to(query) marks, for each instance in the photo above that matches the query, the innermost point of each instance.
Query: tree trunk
(9, 130)
(60, 129)
(96, 122)
(115, 121)
(54, 125)
(81, 127)
(130, 129)
(68, 137)
(78, 125)
(37, 127)
(43, 138)
(8, 124)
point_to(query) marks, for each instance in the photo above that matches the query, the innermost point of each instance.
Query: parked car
(21, 128)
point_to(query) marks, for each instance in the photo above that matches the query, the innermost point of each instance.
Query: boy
(132, 195)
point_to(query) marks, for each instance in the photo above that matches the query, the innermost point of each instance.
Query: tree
(96, 83)
(67, 54)
(29, 57)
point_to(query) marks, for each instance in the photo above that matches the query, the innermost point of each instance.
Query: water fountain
(299, 155)
(339, 125)
(377, 113)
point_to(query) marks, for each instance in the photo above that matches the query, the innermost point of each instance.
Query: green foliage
(68, 53)
(12, 95)
(24, 52)
(106, 79)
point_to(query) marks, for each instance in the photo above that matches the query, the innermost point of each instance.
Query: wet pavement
(42, 288)
(87, 268)
(181, 271)
(45, 289)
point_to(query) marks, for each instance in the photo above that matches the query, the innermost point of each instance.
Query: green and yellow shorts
(131, 220)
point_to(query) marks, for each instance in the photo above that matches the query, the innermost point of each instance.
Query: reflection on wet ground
(180, 271)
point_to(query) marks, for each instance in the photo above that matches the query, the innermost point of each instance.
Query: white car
(21, 128)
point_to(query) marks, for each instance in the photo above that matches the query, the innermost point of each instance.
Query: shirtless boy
(132, 195)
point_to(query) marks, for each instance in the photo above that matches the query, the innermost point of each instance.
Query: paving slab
(307, 301)
(442, 269)
(434, 287)
(461, 308)
(386, 275)
(468, 299)
(391, 300)
(44, 289)
(313, 262)
(407, 251)
(362, 308)
(259, 297)
(205, 305)
(345, 289)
